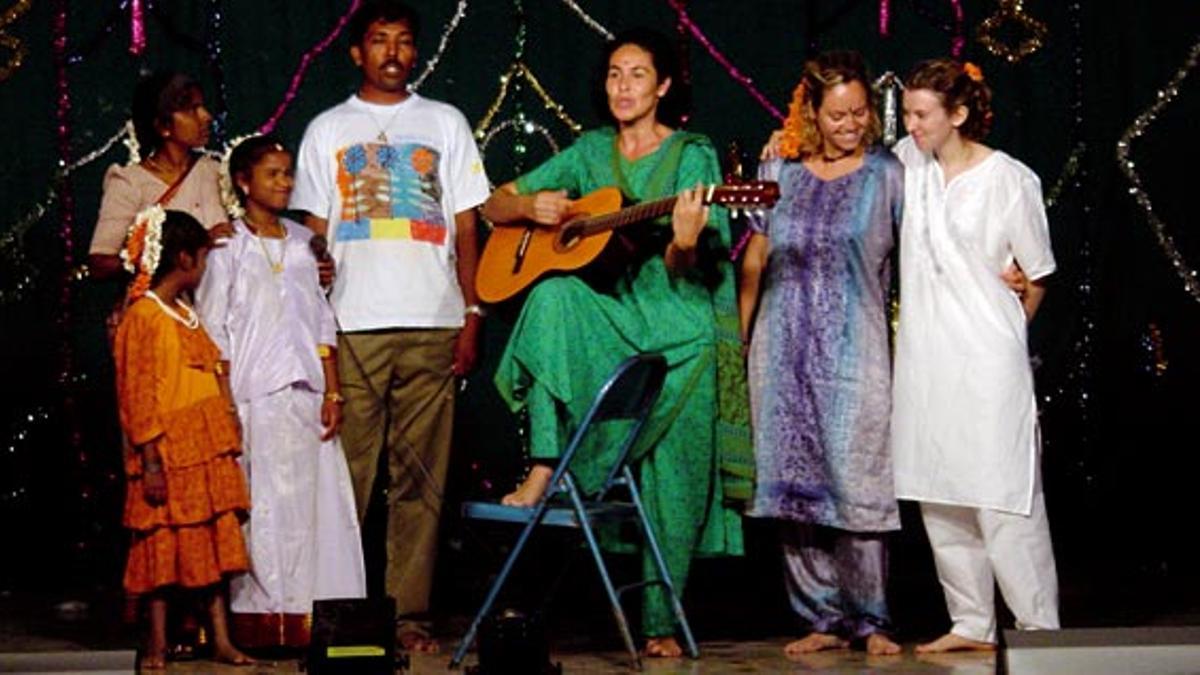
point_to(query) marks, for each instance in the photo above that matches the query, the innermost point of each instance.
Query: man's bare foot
(663, 647)
(416, 642)
(954, 643)
(154, 658)
(531, 490)
(815, 642)
(879, 644)
(231, 655)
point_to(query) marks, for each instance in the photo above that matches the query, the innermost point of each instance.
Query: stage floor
(765, 656)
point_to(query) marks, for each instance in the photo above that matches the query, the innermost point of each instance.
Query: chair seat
(556, 516)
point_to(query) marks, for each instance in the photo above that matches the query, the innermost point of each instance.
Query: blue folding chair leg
(660, 563)
(498, 584)
(618, 611)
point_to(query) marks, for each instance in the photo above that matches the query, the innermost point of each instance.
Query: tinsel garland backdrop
(1069, 79)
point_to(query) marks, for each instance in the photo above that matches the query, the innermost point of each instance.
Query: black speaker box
(510, 642)
(353, 637)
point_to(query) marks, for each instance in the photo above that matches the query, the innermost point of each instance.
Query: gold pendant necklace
(382, 136)
(276, 266)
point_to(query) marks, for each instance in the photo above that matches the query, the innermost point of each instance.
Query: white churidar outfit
(964, 419)
(303, 529)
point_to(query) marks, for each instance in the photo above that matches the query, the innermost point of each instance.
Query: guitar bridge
(522, 248)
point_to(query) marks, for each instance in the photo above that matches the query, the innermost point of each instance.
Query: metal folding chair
(629, 394)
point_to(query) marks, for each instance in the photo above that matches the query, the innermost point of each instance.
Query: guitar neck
(627, 216)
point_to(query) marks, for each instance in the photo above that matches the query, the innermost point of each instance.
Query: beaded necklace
(192, 322)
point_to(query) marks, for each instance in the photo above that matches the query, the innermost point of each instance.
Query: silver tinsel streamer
(10, 250)
(528, 127)
(1191, 283)
(887, 87)
(432, 64)
(586, 18)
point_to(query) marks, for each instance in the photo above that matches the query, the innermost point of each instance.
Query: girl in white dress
(261, 302)
(964, 421)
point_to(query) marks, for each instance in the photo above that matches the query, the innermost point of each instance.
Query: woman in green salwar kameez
(676, 299)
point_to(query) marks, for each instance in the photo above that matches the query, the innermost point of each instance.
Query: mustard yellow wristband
(324, 351)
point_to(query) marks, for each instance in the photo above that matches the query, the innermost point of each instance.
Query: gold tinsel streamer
(1069, 170)
(519, 69)
(1191, 283)
(1012, 10)
(12, 44)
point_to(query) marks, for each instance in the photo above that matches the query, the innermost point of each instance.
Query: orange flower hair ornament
(793, 125)
(143, 248)
(973, 71)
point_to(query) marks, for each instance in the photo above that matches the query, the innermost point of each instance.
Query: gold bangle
(219, 368)
(324, 351)
(335, 397)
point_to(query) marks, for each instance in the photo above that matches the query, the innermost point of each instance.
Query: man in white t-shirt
(392, 180)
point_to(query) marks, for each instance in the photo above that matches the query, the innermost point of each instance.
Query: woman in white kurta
(964, 420)
(262, 304)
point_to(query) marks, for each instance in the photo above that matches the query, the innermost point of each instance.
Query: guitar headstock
(744, 196)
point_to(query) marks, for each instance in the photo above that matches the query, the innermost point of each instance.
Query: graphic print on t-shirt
(390, 192)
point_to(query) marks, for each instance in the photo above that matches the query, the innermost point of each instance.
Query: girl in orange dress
(185, 494)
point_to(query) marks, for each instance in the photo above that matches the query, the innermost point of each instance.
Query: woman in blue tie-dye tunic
(819, 367)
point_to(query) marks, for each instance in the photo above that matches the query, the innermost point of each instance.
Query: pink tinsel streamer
(885, 17)
(959, 41)
(305, 61)
(137, 27)
(720, 58)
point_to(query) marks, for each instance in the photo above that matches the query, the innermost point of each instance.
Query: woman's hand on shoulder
(220, 233)
(771, 149)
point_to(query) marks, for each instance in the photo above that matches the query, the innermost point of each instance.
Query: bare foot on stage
(879, 644)
(232, 656)
(154, 658)
(815, 642)
(418, 643)
(954, 643)
(531, 490)
(663, 647)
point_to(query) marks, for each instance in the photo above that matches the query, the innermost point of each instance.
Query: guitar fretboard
(626, 216)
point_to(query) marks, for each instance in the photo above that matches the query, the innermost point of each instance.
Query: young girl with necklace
(261, 302)
(185, 495)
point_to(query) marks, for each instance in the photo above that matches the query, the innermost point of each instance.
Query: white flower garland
(229, 198)
(147, 263)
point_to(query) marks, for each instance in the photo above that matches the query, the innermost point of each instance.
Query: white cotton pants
(302, 534)
(975, 549)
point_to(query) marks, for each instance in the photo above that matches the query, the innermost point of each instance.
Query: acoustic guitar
(518, 254)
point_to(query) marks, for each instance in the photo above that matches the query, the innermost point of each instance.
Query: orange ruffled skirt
(195, 538)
